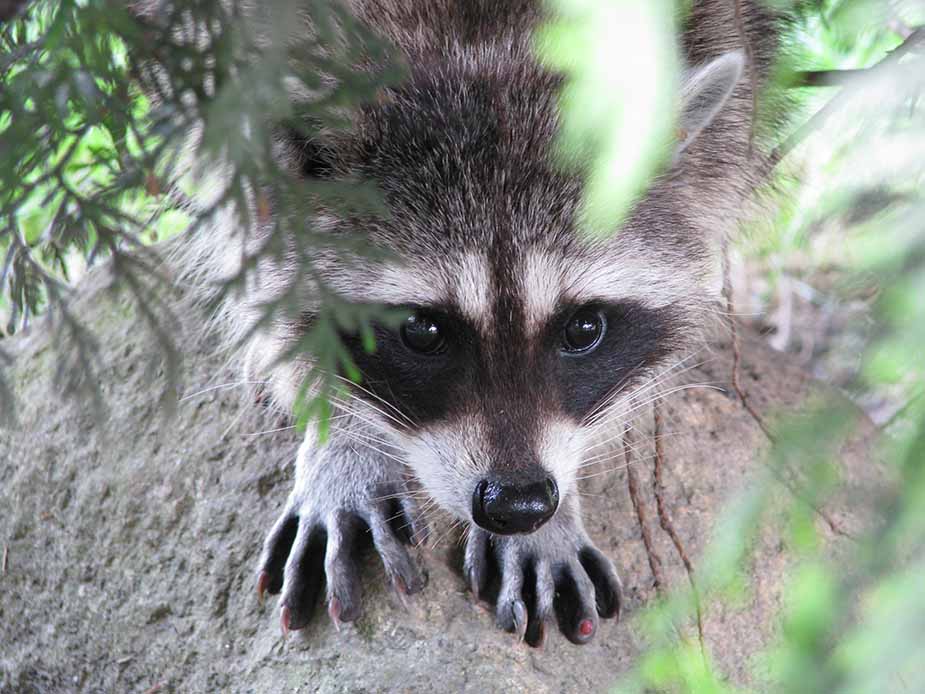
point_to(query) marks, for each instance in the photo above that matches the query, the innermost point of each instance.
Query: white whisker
(221, 386)
(271, 431)
(378, 426)
(234, 423)
(404, 422)
(453, 526)
(356, 438)
(636, 406)
(658, 379)
(634, 461)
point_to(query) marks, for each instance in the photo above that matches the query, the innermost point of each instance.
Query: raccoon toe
(608, 591)
(575, 604)
(476, 566)
(512, 612)
(303, 575)
(393, 532)
(302, 556)
(275, 552)
(340, 567)
(546, 593)
(315, 552)
(524, 594)
(542, 584)
(542, 602)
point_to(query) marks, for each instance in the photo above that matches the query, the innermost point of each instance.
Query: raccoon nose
(505, 509)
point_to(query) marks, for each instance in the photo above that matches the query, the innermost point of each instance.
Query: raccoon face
(495, 411)
(523, 340)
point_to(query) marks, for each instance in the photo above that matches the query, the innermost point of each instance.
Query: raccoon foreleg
(342, 491)
(555, 572)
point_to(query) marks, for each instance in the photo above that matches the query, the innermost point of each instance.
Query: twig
(736, 353)
(834, 526)
(913, 42)
(665, 521)
(632, 483)
(824, 78)
(902, 411)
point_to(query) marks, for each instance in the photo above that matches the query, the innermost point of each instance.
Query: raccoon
(526, 341)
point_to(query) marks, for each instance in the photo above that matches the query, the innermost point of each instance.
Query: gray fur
(484, 222)
(342, 490)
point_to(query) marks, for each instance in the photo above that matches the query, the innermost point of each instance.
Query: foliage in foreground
(856, 625)
(90, 170)
(85, 158)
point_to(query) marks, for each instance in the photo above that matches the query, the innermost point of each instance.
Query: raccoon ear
(312, 158)
(704, 91)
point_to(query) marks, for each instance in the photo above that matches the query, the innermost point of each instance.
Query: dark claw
(263, 580)
(541, 636)
(473, 582)
(335, 610)
(401, 591)
(519, 613)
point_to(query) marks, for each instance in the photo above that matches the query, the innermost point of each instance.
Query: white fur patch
(471, 284)
(404, 285)
(560, 449)
(623, 274)
(542, 288)
(449, 460)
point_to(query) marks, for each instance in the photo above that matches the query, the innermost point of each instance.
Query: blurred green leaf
(621, 67)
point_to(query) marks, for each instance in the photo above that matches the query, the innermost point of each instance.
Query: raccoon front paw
(544, 576)
(316, 544)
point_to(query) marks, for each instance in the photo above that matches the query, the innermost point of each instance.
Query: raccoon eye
(422, 334)
(584, 330)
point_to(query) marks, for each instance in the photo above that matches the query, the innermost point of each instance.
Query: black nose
(505, 509)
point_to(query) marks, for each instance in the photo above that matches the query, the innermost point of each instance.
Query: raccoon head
(525, 340)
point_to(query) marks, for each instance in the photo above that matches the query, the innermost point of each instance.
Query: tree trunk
(130, 548)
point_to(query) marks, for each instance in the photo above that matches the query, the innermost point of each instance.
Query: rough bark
(130, 546)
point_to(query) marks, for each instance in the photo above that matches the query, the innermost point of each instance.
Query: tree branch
(851, 81)
(825, 78)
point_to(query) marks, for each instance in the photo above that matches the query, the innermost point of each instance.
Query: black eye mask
(623, 339)
(437, 364)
